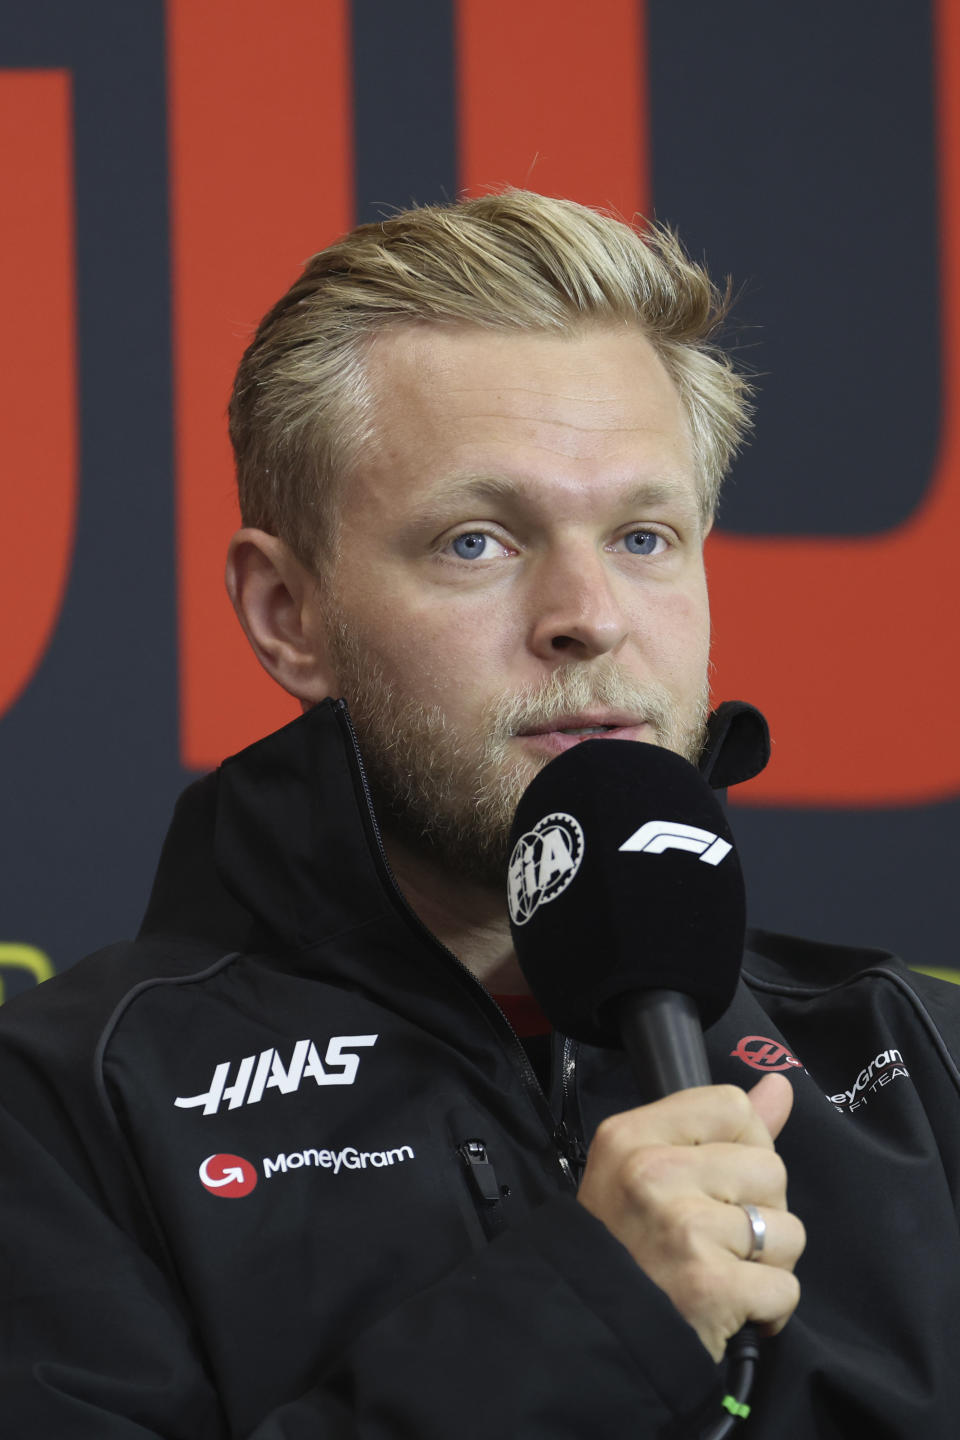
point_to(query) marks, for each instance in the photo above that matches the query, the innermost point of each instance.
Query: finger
(703, 1115)
(772, 1100)
(764, 1294)
(708, 1232)
(720, 1298)
(784, 1237)
(665, 1175)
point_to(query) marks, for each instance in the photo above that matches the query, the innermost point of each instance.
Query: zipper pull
(487, 1192)
(480, 1172)
(571, 1153)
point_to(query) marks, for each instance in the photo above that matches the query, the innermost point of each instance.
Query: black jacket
(281, 1168)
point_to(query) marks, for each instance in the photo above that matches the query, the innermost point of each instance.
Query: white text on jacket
(349, 1157)
(257, 1073)
(883, 1068)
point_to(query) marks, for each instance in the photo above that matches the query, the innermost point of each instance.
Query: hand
(668, 1180)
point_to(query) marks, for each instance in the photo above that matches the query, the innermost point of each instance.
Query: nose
(576, 614)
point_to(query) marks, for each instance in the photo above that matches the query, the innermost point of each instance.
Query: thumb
(772, 1099)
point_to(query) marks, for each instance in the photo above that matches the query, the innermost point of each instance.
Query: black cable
(742, 1354)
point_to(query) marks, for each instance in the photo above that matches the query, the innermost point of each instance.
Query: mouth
(568, 730)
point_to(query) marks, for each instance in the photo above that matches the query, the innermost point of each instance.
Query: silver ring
(758, 1231)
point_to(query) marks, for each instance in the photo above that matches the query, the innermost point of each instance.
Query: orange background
(261, 116)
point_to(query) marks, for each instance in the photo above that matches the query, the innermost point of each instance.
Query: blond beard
(452, 797)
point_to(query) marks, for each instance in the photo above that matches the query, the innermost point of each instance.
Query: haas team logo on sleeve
(761, 1053)
(544, 861)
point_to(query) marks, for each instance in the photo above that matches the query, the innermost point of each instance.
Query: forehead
(576, 411)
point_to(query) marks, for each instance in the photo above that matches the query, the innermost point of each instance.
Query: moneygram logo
(881, 1070)
(763, 1054)
(349, 1158)
(228, 1176)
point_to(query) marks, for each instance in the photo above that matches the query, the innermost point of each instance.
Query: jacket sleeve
(549, 1331)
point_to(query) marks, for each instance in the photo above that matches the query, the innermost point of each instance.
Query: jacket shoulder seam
(128, 999)
(900, 982)
(100, 1087)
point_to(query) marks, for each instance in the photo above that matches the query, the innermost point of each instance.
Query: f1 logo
(659, 835)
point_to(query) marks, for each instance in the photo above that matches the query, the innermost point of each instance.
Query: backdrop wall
(164, 171)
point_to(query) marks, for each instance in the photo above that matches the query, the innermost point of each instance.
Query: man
(282, 1167)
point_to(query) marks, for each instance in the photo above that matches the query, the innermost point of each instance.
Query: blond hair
(301, 407)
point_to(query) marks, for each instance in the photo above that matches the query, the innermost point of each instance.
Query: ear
(277, 601)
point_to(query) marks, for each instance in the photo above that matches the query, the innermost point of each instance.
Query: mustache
(580, 687)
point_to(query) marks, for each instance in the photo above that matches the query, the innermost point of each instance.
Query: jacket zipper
(568, 1135)
(564, 1140)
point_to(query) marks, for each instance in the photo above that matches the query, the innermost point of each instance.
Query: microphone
(628, 914)
(627, 905)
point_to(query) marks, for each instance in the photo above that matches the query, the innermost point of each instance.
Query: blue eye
(470, 546)
(641, 542)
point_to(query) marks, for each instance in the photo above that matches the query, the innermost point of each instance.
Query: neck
(468, 917)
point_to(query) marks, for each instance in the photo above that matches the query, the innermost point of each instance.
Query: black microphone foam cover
(623, 877)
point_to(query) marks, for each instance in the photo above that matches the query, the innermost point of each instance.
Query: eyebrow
(647, 494)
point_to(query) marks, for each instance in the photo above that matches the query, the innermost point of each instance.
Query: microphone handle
(663, 1036)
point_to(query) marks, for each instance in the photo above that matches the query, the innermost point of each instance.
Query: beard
(450, 797)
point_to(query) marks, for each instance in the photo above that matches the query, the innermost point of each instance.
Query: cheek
(447, 654)
(461, 664)
(678, 633)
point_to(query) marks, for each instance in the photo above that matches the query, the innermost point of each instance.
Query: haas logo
(763, 1054)
(228, 1176)
(256, 1074)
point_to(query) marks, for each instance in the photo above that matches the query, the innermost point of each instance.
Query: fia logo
(544, 861)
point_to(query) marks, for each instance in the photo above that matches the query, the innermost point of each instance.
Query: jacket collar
(281, 842)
